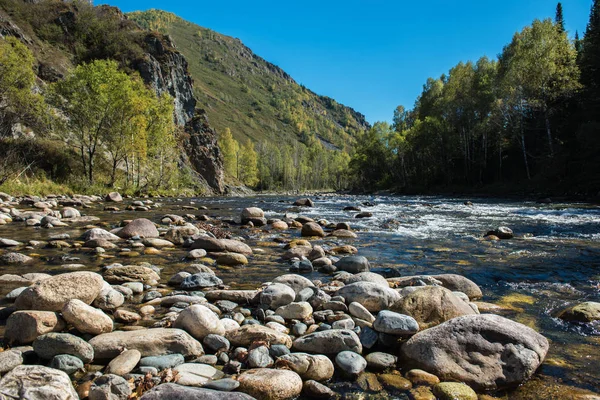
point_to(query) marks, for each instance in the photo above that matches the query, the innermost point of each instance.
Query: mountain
(254, 98)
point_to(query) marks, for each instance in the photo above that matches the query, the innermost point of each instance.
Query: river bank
(529, 279)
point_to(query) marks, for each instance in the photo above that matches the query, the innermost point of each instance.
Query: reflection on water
(555, 259)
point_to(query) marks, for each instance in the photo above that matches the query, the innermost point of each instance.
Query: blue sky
(371, 55)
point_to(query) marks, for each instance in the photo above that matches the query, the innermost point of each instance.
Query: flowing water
(553, 262)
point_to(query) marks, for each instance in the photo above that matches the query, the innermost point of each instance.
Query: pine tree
(578, 43)
(590, 63)
(559, 19)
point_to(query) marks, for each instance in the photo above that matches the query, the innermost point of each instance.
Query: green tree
(539, 68)
(18, 102)
(559, 19)
(248, 164)
(108, 112)
(590, 64)
(229, 148)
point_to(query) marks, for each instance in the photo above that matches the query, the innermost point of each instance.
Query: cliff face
(166, 70)
(154, 56)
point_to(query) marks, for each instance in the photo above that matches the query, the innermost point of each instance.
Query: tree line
(528, 118)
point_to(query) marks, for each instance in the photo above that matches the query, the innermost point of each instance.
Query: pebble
(162, 362)
(350, 363)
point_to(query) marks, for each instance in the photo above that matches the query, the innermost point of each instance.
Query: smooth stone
(162, 362)
(454, 391)
(196, 374)
(142, 227)
(381, 361)
(277, 295)
(131, 273)
(270, 384)
(353, 264)
(359, 311)
(98, 233)
(109, 387)
(157, 243)
(259, 358)
(221, 245)
(149, 342)
(314, 389)
(215, 342)
(199, 321)
(459, 283)
(296, 282)
(51, 344)
(232, 259)
(14, 259)
(351, 363)
(395, 324)
(51, 294)
(248, 334)
(583, 312)
(9, 360)
(86, 319)
(329, 342)
(420, 377)
(124, 363)
(66, 363)
(109, 299)
(23, 327)
(485, 351)
(172, 391)
(278, 350)
(372, 296)
(196, 254)
(366, 277)
(299, 311)
(13, 294)
(308, 366)
(200, 280)
(368, 337)
(312, 229)
(35, 382)
(222, 385)
(126, 316)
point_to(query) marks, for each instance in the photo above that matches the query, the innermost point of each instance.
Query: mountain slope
(254, 98)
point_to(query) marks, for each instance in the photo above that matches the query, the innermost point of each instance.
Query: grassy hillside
(249, 95)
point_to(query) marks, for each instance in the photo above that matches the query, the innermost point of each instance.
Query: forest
(526, 121)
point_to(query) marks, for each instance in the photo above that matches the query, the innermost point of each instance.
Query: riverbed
(553, 262)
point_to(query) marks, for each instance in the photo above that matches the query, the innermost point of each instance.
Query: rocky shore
(132, 331)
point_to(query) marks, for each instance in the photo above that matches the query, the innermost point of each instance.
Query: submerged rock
(172, 391)
(583, 312)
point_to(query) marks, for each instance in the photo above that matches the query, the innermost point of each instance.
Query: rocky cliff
(166, 70)
(62, 34)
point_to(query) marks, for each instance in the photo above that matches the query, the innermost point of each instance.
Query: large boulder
(353, 264)
(35, 382)
(308, 366)
(51, 294)
(270, 384)
(114, 197)
(23, 327)
(487, 352)
(254, 215)
(253, 333)
(131, 273)
(331, 341)
(373, 296)
(199, 321)
(149, 342)
(305, 202)
(432, 305)
(141, 227)
(221, 245)
(86, 319)
(172, 391)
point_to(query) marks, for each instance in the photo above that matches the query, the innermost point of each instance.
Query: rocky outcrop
(166, 70)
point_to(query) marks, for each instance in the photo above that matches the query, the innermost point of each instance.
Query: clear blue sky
(369, 54)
